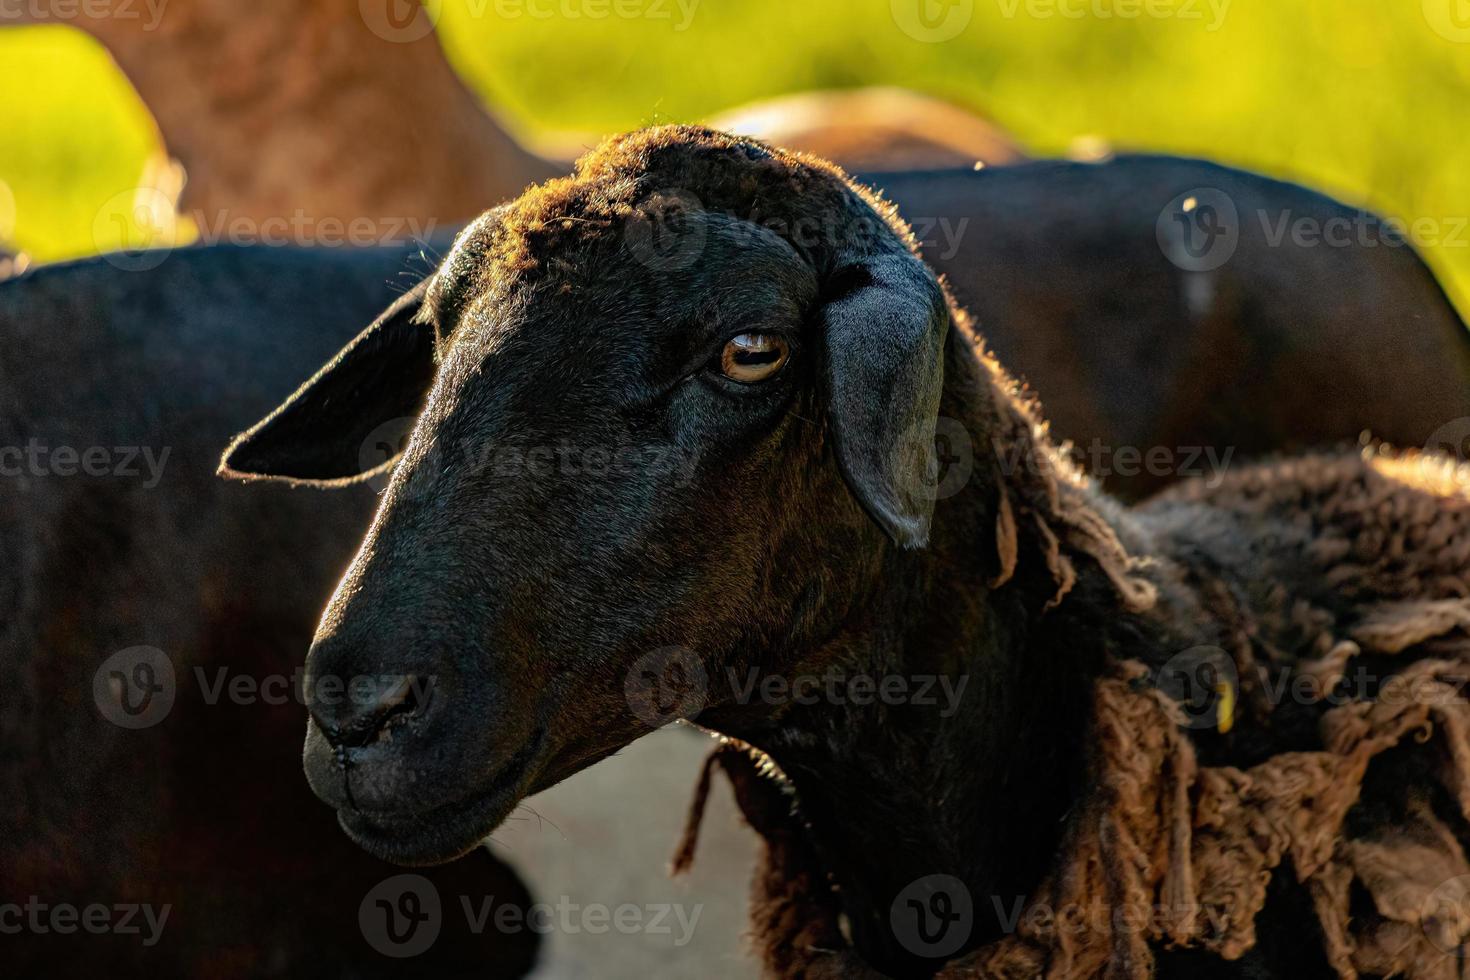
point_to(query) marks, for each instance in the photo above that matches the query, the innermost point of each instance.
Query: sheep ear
(317, 435)
(885, 324)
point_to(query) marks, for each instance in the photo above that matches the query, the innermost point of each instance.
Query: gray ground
(603, 839)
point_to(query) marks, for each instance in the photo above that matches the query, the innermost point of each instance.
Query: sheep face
(645, 456)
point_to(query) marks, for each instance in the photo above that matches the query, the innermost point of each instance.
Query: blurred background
(1364, 99)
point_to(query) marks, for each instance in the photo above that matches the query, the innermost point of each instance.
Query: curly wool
(1188, 850)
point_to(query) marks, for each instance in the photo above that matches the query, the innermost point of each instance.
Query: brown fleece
(1186, 850)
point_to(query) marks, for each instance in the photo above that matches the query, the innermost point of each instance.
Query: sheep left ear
(316, 436)
(885, 325)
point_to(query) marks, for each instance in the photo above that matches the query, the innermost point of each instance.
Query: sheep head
(668, 416)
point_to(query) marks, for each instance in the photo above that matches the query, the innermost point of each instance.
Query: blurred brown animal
(189, 814)
(12, 263)
(875, 129)
(291, 105)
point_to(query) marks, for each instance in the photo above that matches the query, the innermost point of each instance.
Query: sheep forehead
(614, 184)
(629, 325)
(725, 270)
(570, 257)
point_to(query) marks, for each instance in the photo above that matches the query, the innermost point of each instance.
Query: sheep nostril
(368, 717)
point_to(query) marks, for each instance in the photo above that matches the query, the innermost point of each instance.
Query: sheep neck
(975, 786)
(339, 121)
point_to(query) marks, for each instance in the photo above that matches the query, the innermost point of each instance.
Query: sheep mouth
(451, 830)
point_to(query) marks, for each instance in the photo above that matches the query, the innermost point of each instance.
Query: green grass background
(1362, 98)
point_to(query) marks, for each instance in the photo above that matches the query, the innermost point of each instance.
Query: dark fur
(199, 811)
(529, 596)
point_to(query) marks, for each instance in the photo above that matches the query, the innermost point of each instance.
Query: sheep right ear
(885, 320)
(317, 435)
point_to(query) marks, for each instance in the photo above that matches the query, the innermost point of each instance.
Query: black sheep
(772, 399)
(117, 381)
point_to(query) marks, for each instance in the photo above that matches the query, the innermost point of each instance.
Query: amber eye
(753, 357)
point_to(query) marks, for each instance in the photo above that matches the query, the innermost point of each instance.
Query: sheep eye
(753, 357)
